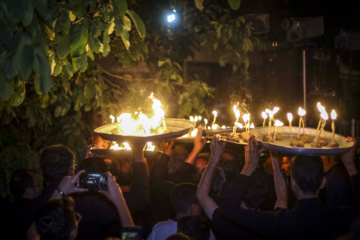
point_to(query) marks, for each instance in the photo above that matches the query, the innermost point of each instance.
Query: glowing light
(301, 112)
(333, 114)
(289, 117)
(278, 123)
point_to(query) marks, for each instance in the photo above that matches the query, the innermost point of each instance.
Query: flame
(268, 111)
(246, 117)
(215, 113)
(275, 110)
(264, 115)
(194, 132)
(123, 146)
(333, 114)
(301, 112)
(205, 121)
(289, 117)
(223, 127)
(215, 126)
(191, 119)
(278, 123)
(324, 115)
(112, 118)
(149, 146)
(320, 107)
(239, 125)
(252, 125)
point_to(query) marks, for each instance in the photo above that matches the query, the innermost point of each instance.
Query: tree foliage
(55, 88)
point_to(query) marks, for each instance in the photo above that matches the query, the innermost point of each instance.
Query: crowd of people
(182, 193)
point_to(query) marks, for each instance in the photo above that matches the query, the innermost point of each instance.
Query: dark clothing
(100, 218)
(310, 219)
(338, 191)
(138, 198)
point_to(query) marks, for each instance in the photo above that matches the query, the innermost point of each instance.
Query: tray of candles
(175, 127)
(124, 153)
(307, 141)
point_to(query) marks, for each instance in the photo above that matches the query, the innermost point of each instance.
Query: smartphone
(132, 233)
(93, 181)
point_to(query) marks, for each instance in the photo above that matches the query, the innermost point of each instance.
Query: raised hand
(252, 156)
(348, 157)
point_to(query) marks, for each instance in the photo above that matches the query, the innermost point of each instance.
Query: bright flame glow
(215, 126)
(215, 113)
(112, 118)
(246, 117)
(264, 115)
(333, 114)
(171, 18)
(252, 125)
(301, 112)
(239, 125)
(278, 123)
(268, 111)
(324, 115)
(194, 132)
(320, 107)
(289, 117)
(205, 121)
(223, 127)
(191, 119)
(275, 110)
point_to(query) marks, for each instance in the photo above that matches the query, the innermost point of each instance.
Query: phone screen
(96, 181)
(130, 233)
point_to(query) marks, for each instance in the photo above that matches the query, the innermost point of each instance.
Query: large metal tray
(283, 146)
(124, 153)
(177, 127)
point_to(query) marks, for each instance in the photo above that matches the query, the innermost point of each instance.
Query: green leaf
(82, 61)
(106, 45)
(65, 20)
(46, 80)
(19, 96)
(44, 100)
(28, 14)
(63, 46)
(72, 16)
(125, 38)
(78, 39)
(42, 10)
(57, 111)
(127, 23)
(139, 24)
(94, 44)
(89, 91)
(119, 25)
(12, 65)
(120, 7)
(199, 4)
(65, 109)
(234, 4)
(6, 87)
(57, 69)
(27, 62)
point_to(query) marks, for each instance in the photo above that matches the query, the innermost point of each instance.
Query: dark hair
(20, 180)
(56, 161)
(256, 191)
(180, 236)
(307, 172)
(55, 219)
(177, 157)
(194, 226)
(217, 181)
(125, 173)
(93, 165)
(182, 196)
(230, 164)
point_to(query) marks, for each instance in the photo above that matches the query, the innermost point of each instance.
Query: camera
(93, 181)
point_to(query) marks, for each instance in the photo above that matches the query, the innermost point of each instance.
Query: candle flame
(275, 110)
(289, 117)
(215, 113)
(264, 115)
(191, 119)
(112, 118)
(252, 125)
(239, 125)
(278, 123)
(324, 115)
(268, 111)
(205, 121)
(320, 107)
(301, 112)
(333, 114)
(246, 117)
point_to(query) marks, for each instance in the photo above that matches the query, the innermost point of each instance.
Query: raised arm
(279, 181)
(348, 158)
(252, 156)
(115, 195)
(206, 202)
(199, 143)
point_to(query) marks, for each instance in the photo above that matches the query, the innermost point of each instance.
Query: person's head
(183, 200)
(25, 183)
(180, 236)
(100, 142)
(307, 175)
(57, 220)
(286, 165)
(194, 226)
(217, 181)
(330, 161)
(177, 157)
(125, 173)
(255, 192)
(93, 165)
(230, 164)
(201, 161)
(57, 161)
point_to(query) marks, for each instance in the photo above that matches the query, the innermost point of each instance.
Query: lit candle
(206, 122)
(333, 117)
(321, 109)
(252, 126)
(270, 117)
(246, 118)
(112, 118)
(191, 119)
(301, 113)
(290, 118)
(277, 123)
(323, 118)
(264, 116)
(215, 115)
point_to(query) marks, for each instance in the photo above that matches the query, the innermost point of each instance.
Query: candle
(246, 118)
(277, 123)
(323, 118)
(301, 113)
(264, 116)
(206, 122)
(333, 117)
(290, 118)
(270, 117)
(215, 114)
(252, 125)
(112, 118)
